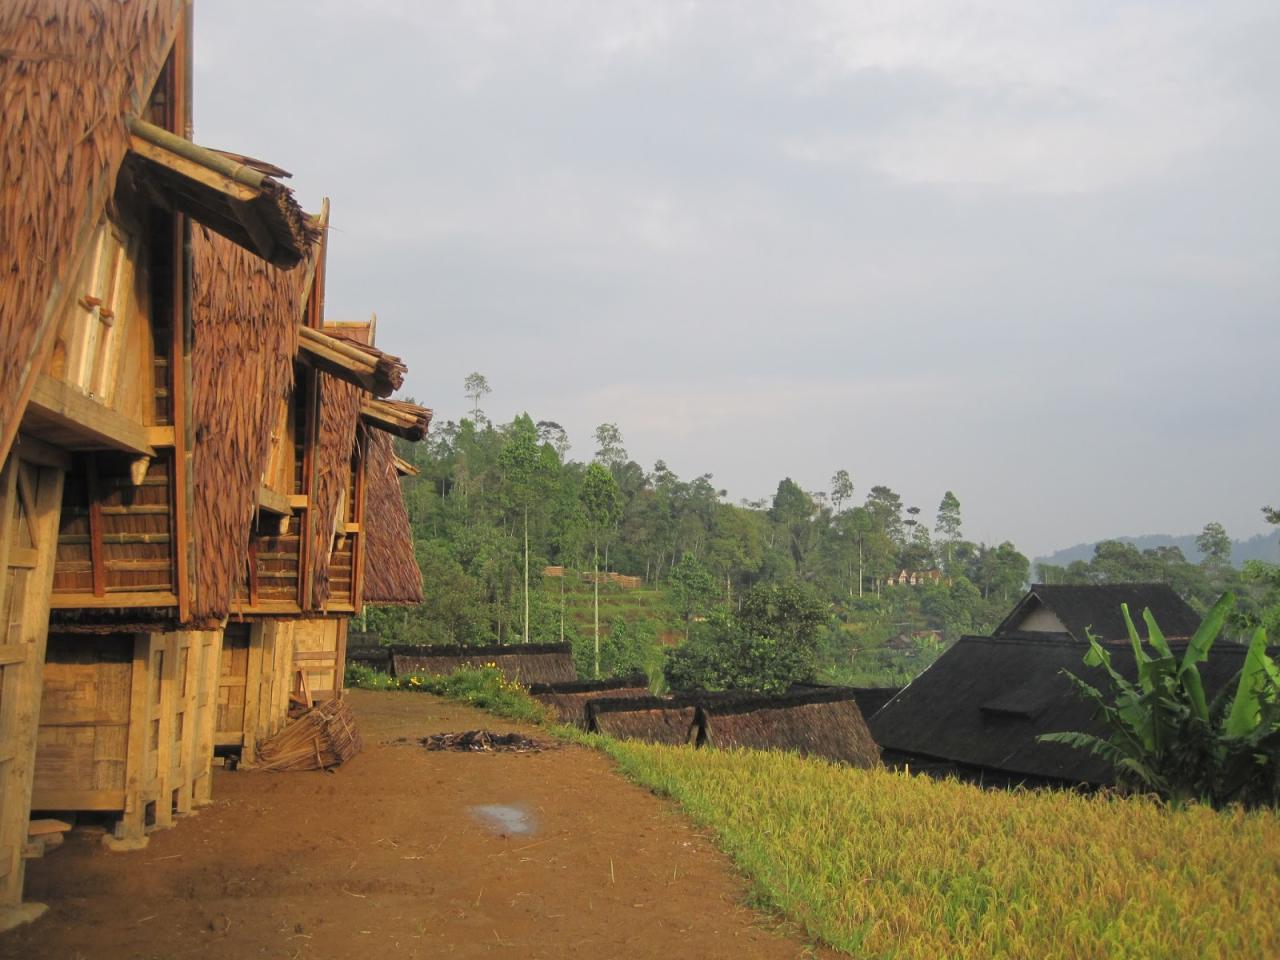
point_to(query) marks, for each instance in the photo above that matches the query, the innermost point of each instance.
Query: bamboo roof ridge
(360, 364)
(391, 573)
(245, 316)
(236, 196)
(406, 420)
(70, 76)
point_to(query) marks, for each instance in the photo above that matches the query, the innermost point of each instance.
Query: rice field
(884, 864)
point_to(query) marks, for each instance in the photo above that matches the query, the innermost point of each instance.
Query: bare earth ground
(385, 858)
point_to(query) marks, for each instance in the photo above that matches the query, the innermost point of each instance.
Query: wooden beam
(371, 370)
(191, 170)
(98, 426)
(97, 555)
(161, 436)
(396, 417)
(146, 598)
(273, 502)
(38, 452)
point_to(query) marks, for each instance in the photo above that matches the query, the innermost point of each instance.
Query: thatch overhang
(1078, 608)
(406, 420)
(391, 574)
(71, 74)
(331, 468)
(245, 315)
(235, 196)
(984, 702)
(348, 359)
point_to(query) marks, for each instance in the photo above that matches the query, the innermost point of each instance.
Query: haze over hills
(1262, 546)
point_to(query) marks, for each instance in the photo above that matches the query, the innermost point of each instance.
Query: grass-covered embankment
(884, 864)
(483, 687)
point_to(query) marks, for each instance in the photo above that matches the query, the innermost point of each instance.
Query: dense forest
(510, 532)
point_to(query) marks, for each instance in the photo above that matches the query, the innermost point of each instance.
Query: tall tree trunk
(562, 578)
(595, 586)
(859, 568)
(526, 574)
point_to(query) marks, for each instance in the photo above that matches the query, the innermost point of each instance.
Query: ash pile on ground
(482, 741)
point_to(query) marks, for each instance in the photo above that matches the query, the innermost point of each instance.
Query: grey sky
(1027, 252)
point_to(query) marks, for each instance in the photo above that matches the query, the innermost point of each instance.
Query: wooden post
(26, 625)
(252, 699)
(207, 712)
(131, 829)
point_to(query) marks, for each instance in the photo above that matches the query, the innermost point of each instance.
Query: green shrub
(1163, 737)
(484, 687)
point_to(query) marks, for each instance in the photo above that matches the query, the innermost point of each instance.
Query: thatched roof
(984, 702)
(245, 314)
(1097, 607)
(568, 700)
(71, 74)
(524, 662)
(670, 720)
(391, 573)
(824, 722)
(339, 414)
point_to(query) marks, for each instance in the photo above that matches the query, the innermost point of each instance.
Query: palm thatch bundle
(568, 701)
(323, 737)
(245, 314)
(391, 573)
(523, 663)
(669, 720)
(70, 77)
(817, 722)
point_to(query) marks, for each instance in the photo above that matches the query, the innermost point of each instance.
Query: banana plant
(1161, 733)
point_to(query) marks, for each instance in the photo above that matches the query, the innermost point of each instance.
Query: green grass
(884, 864)
(482, 687)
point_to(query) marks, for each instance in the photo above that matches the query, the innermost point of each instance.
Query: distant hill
(1264, 546)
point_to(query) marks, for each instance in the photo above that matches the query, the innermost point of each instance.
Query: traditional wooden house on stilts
(154, 296)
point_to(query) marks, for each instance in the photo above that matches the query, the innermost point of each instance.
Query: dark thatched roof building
(1072, 609)
(820, 722)
(983, 703)
(523, 662)
(568, 700)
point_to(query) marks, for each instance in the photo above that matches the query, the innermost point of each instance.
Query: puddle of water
(501, 818)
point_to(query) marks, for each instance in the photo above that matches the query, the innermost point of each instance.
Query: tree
(885, 508)
(768, 645)
(527, 472)
(1163, 735)
(475, 387)
(947, 524)
(691, 589)
(610, 450)
(600, 504)
(841, 489)
(1214, 545)
(551, 432)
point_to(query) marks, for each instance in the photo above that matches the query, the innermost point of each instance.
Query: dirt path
(387, 858)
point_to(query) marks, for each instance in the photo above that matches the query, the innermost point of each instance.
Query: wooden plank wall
(126, 727)
(30, 503)
(255, 678)
(320, 653)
